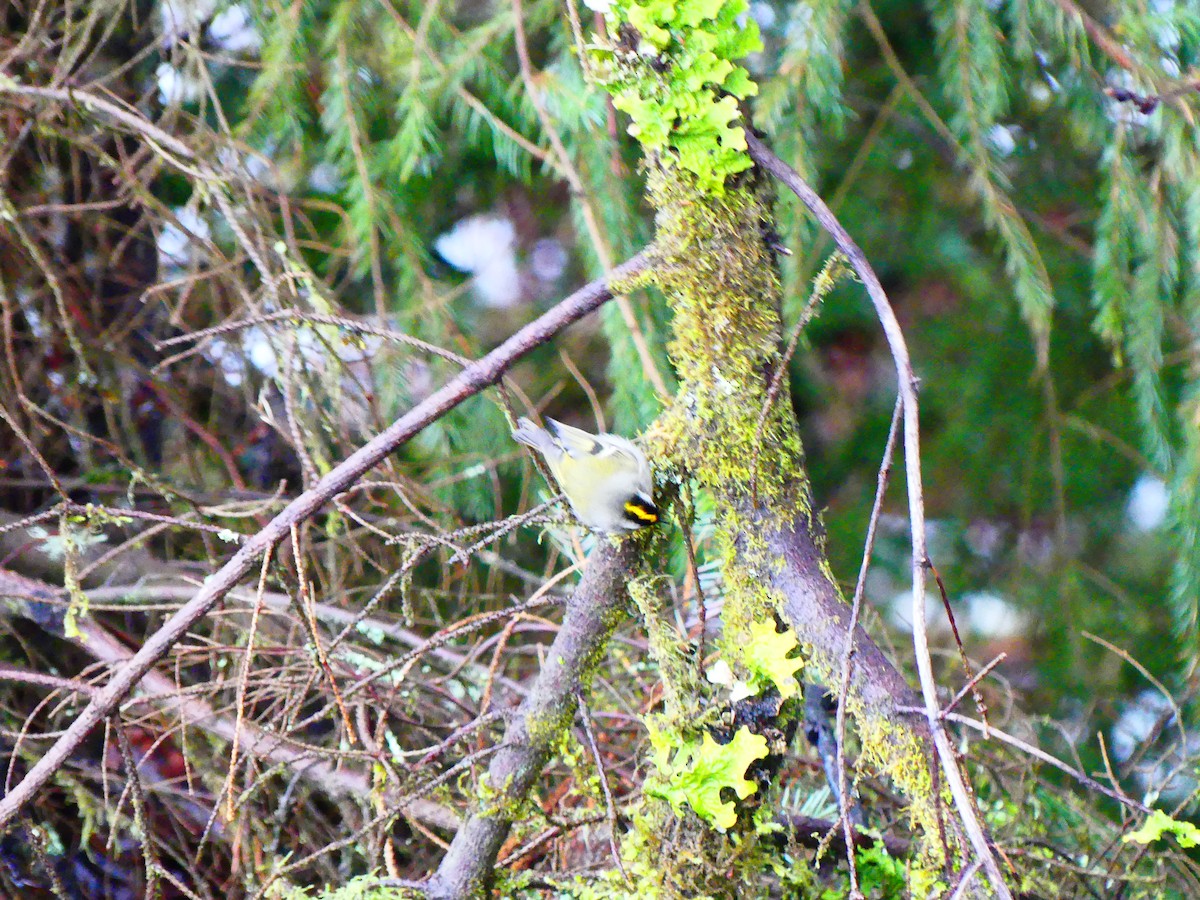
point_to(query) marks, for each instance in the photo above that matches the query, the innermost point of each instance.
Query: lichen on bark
(720, 277)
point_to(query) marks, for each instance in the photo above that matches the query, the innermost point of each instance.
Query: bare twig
(969, 687)
(595, 233)
(1028, 748)
(610, 808)
(1176, 712)
(885, 470)
(345, 323)
(972, 679)
(469, 382)
(811, 832)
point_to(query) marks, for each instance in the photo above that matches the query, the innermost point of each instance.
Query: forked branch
(963, 803)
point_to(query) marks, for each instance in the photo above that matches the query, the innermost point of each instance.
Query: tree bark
(542, 719)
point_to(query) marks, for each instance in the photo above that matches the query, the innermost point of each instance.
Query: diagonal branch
(467, 383)
(963, 802)
(540, 722)
(31, 595)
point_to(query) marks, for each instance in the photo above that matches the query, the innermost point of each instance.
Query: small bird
(606, 478)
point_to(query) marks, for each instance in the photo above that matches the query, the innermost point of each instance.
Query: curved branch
(963, 803)
(469, 382)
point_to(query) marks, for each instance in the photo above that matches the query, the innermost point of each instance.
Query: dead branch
(269, 748)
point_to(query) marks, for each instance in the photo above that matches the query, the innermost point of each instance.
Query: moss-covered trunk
(721, 279)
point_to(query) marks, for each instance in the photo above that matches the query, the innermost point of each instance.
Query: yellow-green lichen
(669, 858)
(723, 430)
(672, 67)
(720, 279)
(678, 678)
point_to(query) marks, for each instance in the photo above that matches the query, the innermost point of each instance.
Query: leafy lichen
(672, 69)
(767, 658)
(725, 431)
(698, 772)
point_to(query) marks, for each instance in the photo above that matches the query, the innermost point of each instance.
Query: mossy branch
(912, 457)
(540, 722)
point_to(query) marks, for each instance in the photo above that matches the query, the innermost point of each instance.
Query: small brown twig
(969, 687)
(308, 616)
(610, 808)
(821, 286)
(962, 653)
(240, 701)
(1109, 45)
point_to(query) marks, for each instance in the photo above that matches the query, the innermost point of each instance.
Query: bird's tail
(574, 441)
(533, 436)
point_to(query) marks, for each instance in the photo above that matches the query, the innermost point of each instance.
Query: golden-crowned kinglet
(606, 478)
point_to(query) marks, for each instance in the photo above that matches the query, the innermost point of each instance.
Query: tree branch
(963, 803)
(469, 382)
(544, 716)
(158, 689)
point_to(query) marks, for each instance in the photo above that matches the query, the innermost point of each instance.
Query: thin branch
(812, 832)
(885, 471)
(972, 680)
(610, 808)
(1176, 712)
(466, 384)
(963, 803)
(1025, 747)
(1108, 44)
(969, 687)
(595, 233)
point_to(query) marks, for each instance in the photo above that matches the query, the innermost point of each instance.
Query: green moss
(366, 887)
(680, 690)
(723, 431)
(720, 279)
(668, 857)
(721, 282)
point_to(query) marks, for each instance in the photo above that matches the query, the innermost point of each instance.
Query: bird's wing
(578, 444)
(574, 441)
